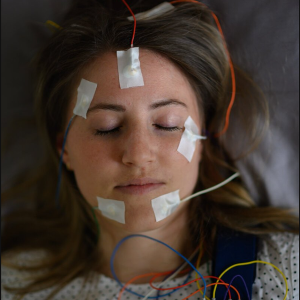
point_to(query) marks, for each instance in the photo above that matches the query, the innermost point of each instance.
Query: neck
(139, 255)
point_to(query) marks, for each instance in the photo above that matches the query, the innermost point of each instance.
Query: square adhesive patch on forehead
(112, 209)
(164, 205)
(188, 139)
(85, 95)
(130, 74)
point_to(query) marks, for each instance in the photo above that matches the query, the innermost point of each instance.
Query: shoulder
(15, 275)
(13, 262)
(282, 251)
(279, 242)
(13, 269)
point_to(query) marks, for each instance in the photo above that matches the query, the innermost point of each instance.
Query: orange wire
(163, 273)
(230, 65)
(155, 275)
(134, 19)
(183, 285)
(211, 285)
(168, 272)
(131, 280)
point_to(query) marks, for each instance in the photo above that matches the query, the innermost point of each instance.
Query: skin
(138, 148)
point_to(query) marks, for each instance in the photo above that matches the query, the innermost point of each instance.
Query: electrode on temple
(130, 74)
(188, 140)
(86, 92)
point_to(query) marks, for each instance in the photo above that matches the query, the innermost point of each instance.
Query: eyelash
(117, 129)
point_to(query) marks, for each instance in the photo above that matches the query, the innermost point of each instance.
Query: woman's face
(126, 149)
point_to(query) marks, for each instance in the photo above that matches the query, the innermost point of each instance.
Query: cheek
(93, 166)
(97, 164)
(184, 173)
(191, 175)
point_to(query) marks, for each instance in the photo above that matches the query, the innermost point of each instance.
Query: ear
(59, 144)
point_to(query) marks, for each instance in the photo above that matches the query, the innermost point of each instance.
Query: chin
(140, 220)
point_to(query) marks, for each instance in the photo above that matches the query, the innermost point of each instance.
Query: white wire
(212, 188)
(186, 199)
(171, 277)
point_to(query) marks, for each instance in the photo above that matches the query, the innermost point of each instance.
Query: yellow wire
(53, 24)
(197, 266)
(249, 263)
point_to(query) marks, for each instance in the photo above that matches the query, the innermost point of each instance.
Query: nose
(138, 150)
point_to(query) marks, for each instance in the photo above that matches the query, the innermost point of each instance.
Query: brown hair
(189, 38)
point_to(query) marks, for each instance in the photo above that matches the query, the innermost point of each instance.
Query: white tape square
(164, 205)
(112, 209)
(86, 92)
(188, 140)
(130, 74)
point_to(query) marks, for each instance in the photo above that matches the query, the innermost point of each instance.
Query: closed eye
(107, 132)
(117, 129)
(174, 128)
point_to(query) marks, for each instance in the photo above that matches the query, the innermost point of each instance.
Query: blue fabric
(231, 248)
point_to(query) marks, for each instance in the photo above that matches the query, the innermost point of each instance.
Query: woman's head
(177, 63)
(186, 36)
(126, 149)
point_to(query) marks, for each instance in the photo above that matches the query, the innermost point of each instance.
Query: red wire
(181, 286)
(131, 280)
(134, 19)
(151, 274)
(226, 284)
(147, 275)
(230, 65)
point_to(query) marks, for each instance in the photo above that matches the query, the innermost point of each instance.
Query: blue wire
(231, 284)
(61, 163)
(158, 241)
(186, 280)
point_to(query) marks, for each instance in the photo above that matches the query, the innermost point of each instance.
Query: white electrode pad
(164, 205)
(130, 74)
(188, 140)
(154, 12)
(86, 92)
(112, 209)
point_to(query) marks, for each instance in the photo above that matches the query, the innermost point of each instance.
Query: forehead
(162, 80)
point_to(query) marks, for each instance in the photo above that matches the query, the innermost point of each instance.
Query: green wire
(97, 223)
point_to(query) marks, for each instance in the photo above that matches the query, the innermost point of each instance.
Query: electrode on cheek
(112, 209)
(188, 140)
(165, 205)
(86, 92)
(130, 74)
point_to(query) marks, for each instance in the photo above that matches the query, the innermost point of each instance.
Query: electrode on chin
(165, 205)
(112, 209)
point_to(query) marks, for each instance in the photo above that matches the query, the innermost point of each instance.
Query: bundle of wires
(181, 270)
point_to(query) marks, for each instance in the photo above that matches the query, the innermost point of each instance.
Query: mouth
(139, 186)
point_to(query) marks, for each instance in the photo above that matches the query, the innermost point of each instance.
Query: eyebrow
(166, 103)
(120, 108)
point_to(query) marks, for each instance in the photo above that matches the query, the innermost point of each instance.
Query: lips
(139, 186)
